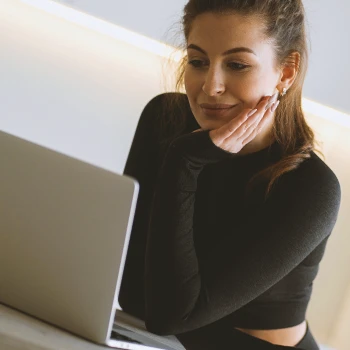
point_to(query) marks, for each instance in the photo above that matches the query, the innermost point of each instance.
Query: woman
(235, 208)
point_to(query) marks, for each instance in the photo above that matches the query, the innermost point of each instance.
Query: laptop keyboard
(129, 325)
(142, 338)
(118, 336)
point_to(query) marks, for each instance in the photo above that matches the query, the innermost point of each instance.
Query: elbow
(172, 315)
(160, 326)
(156, 327)
(166, 324)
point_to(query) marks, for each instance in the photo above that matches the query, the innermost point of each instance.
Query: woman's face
(215, 76)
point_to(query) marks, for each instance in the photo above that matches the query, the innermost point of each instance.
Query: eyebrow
(228, 52)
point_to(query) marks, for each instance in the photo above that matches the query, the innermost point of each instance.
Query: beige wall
(81, 93)
(340, 336)
(330, 290)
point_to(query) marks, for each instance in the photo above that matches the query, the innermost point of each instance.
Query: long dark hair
(284, 23)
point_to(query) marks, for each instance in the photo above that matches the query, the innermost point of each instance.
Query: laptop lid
(64, 231)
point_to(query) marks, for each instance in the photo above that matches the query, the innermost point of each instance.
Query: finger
(253, 132)
(239, 125)
(245, 121)
(250, 137)
(245, 127)
(269, 113)
(229, 128)
(272, 100)
(251, 128)
(265, 114)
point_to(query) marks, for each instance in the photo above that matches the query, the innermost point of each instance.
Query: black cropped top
(199, 253)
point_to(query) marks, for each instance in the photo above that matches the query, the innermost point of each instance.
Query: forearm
(172, 275)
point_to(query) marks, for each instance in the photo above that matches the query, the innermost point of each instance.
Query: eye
(233, 65)
(196, 63)
(237, 66)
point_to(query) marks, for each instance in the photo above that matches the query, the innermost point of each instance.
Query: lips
(216, 110)
(216, 106)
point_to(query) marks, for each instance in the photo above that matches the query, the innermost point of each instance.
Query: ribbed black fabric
(199, 253)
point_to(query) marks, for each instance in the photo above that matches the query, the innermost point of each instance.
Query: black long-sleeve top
(200, 254)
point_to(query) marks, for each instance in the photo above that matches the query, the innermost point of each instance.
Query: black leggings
(221, 337)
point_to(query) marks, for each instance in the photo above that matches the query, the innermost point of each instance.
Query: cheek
(251, 87)
(246, 88)
(192, 83)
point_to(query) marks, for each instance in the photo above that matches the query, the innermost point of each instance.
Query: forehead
(211, 31)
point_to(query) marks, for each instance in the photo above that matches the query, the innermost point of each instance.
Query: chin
(212, 124)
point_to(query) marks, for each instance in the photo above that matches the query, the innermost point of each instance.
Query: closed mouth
(217, 108)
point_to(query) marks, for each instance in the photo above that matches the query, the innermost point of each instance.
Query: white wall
(329, 71)
(328, 24)
(71, 89)
(151, 18)
(81, 93)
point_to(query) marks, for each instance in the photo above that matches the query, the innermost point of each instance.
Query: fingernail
(269, 105)
(271, 101)
(252, 112)
(273, 108)
(273, 98)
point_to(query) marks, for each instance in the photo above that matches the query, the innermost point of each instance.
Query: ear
(289, 71)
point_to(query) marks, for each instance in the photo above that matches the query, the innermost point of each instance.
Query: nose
(214, 82)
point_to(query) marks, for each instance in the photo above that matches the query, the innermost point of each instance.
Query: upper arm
(153, 126)
(300, 213)
(297, 217)
(143, 164)
(143, 147)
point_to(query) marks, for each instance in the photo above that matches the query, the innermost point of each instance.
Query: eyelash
(242, 66)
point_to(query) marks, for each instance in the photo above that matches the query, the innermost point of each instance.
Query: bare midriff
(290, 336)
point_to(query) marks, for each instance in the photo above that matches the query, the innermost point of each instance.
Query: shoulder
(319, 172)
(163, 103)
(313, 182)
(310, 196)
(169, 110)
(164, 98)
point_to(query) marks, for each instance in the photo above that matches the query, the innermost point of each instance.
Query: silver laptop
(64, 232)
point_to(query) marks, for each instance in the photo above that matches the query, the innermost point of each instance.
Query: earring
(284, 91)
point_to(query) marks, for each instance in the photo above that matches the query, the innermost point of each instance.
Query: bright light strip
(325, 112)
(106, 28)
(160, 49)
